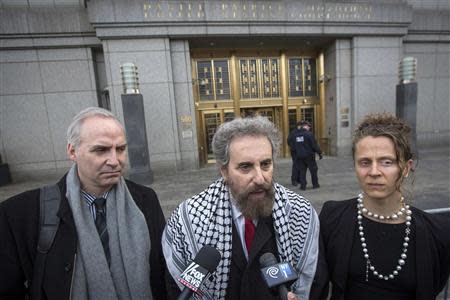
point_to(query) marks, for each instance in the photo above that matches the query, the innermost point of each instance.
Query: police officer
(306, 147)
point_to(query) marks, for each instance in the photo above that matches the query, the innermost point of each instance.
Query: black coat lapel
(262, 235)
(238, 255)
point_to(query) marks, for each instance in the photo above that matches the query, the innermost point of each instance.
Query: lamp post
(406, 96)
(134, 119)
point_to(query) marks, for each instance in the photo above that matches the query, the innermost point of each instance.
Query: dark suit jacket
(19, 232)
(245, 280)
(337, 229)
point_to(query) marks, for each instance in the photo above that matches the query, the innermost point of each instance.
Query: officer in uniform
(306, 147)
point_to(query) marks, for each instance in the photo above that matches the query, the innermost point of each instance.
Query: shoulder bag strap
(50, 197)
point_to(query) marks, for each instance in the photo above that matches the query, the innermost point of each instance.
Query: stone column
(187, 158)
(338, 96)
(374, 65)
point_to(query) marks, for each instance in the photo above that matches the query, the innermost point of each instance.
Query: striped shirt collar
(89, 198)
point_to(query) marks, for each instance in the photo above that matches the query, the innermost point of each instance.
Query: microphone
(277, 274)
(204, 263)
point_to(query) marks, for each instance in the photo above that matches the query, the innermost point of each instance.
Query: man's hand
(291, 296)
(320, 156)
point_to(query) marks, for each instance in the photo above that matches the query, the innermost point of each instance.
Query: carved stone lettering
(162, 10)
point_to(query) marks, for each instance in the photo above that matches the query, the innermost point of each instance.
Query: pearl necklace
(403, 255)
(393, 216)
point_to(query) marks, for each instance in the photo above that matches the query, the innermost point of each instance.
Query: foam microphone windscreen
(204, 263)
(208, 257)
(267, 260)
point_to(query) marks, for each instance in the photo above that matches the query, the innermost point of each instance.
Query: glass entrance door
(211, 120)
(307, 113)
(301, 113)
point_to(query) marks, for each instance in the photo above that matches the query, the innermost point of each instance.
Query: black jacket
(337, 229)
(19, 233)
(245, 280)
(303, 144)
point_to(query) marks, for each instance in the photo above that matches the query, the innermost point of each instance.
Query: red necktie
(249, 233)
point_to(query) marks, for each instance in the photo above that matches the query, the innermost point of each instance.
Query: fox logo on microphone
(193, 276)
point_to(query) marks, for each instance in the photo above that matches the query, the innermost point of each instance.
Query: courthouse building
(203, 62)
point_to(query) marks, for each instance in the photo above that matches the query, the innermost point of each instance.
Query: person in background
(376, 245)
(245, 214)
(305, 147)
(108, 241)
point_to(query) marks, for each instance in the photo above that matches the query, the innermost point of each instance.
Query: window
(248, 78)
(270, 78)
(302, 77)
(309, 66)
(213, 80)
(259, 78)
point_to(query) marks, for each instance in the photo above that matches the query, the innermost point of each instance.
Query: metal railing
(441, 211)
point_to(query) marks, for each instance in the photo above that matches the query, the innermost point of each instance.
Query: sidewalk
(336, 177)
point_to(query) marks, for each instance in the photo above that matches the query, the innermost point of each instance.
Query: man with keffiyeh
(108, 241)
(244, 214)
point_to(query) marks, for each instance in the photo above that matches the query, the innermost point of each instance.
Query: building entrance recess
(281, 85)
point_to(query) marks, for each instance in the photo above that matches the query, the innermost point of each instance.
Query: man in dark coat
(305, 147)
(108, 241)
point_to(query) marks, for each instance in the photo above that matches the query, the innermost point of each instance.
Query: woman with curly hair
(377, 246)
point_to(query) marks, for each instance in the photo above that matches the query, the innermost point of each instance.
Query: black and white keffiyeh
(206, 219)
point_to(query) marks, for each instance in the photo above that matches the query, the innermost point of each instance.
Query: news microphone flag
(277, 274)
(193, 277)
(204, 263)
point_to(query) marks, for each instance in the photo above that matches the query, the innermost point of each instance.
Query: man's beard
(253, 209)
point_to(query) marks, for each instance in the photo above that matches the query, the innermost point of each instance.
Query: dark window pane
(204, 76)
(212, 121)
(308, 114)
(292, 117)
(295, 77)
(270, 78)
(222, 78)
(310, 77)
(248, 78)
(274, 77)
(244, 79)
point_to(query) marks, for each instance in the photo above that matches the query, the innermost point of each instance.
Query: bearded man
(245, 214)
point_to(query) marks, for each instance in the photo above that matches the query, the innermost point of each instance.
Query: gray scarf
(129, 242)
(205, 219)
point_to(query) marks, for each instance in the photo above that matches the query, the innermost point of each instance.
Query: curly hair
(392, 127)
